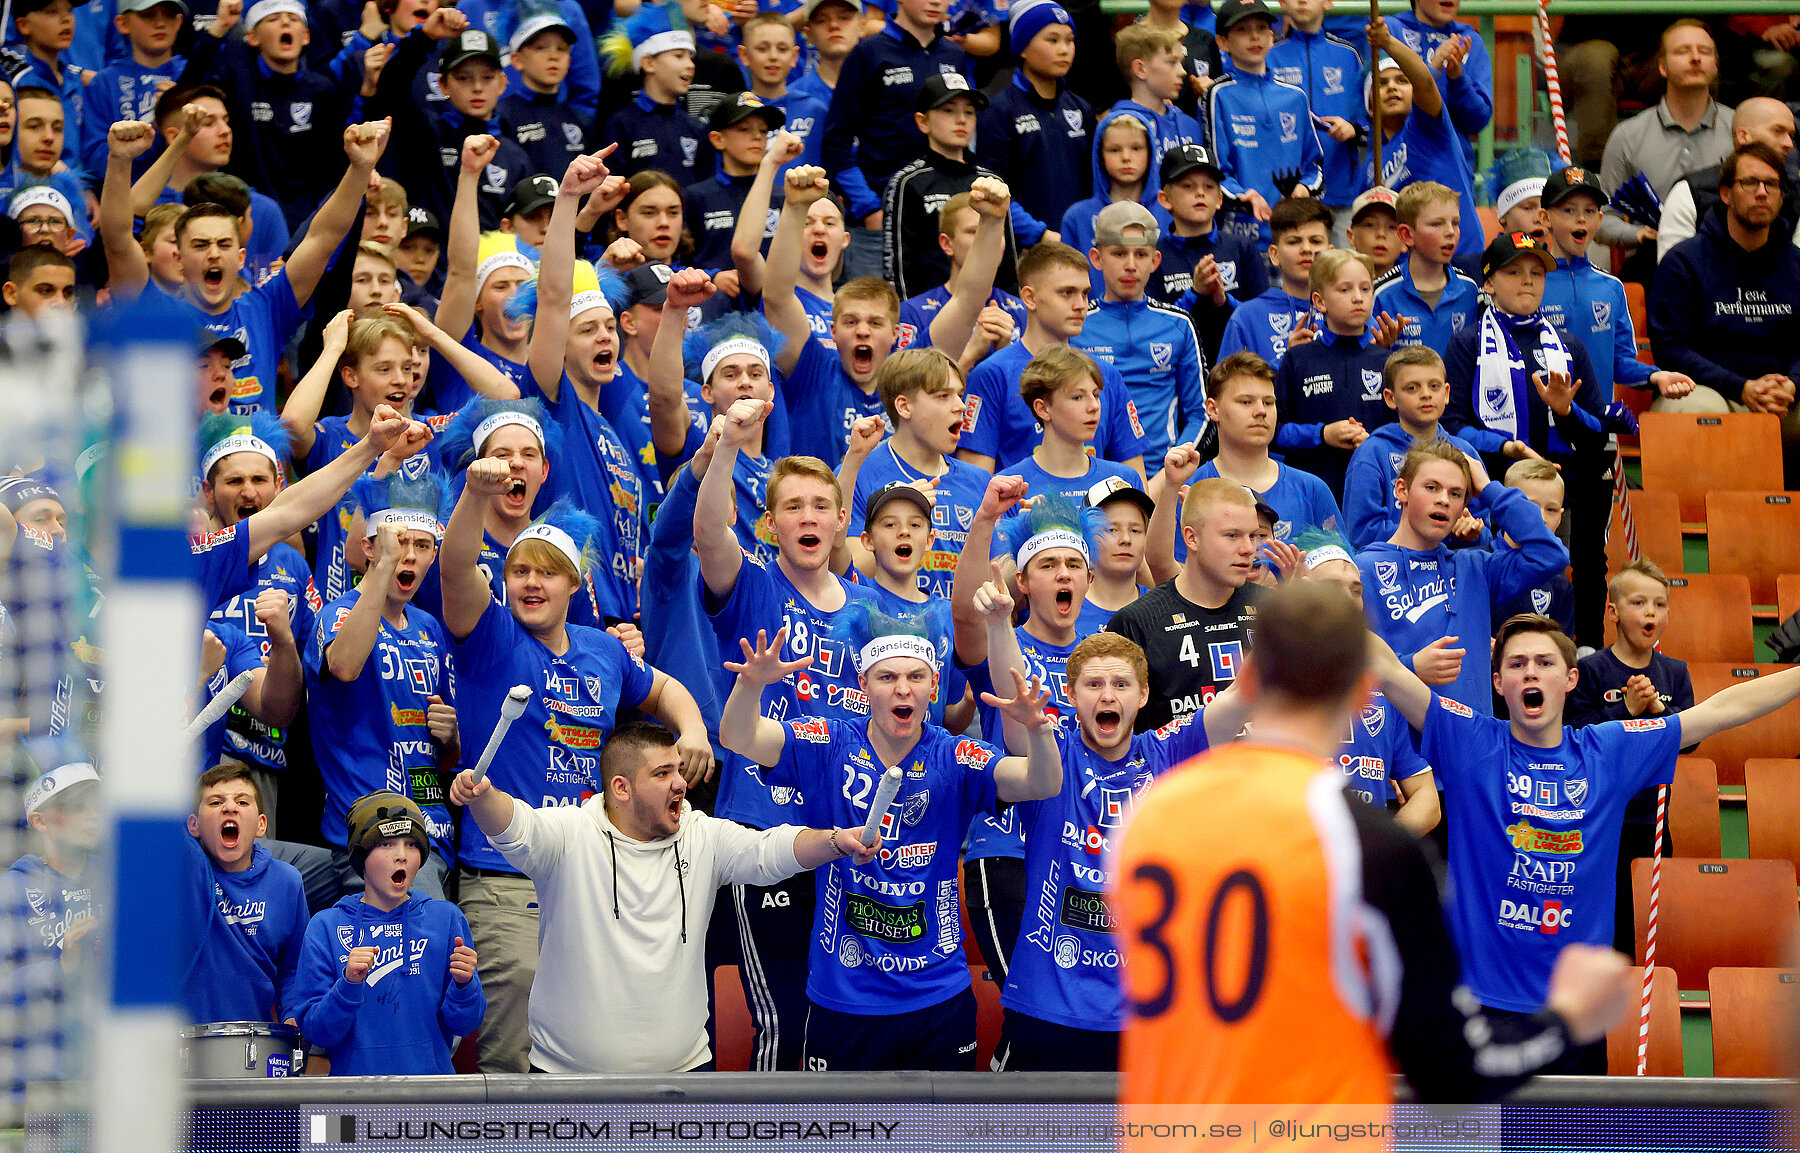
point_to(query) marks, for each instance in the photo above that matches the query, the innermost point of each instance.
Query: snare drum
(241, 1049)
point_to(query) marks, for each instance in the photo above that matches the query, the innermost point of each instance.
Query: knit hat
(380, 816)
(1032, 17)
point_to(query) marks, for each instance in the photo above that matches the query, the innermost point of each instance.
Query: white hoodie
(621, 977)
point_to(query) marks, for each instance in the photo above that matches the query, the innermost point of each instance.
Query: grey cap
(1126, 222)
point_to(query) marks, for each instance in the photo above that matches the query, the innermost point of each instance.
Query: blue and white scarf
(1502, 382)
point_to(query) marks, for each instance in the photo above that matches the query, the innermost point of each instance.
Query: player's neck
(819, 586)
(1688, 105)
(819, 286)
(903, 585)
(1300, 289)
(1040, 626)
(923, 33)
(280, 68)
(1548, 735)
(1249, 465)
(554, 637)
(1164, 18)
(1427, 274)
(1405, 536)
(892, 752)
(145, 59)
(1630, 655)
(537, 87)
(1196, 585)
(69, 860)
(829, 68)
(1126, 193)
(1249, 67)
(1141, 94)
(1043, 87)
(765, 91)
(1343, 328)
(1037, 337)
(393, 613)
(185, 171)
(1112, 593)
(1187, 228)
(380, 901)
(1429, 431)
(503, 528)
(914, 453)
(637, 359)
(1060, 456)
(514, 350)
(1279, 720)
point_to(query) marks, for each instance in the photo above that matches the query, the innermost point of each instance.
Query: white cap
(55, 781)
(529, 28)
(41, 194)
(1517, 192)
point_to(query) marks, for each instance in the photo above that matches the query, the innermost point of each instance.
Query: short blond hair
(1424, 452)
(789, 467)
(1415, 196)
(914, 370)
(947, 214)
(380, 252)
(1410, 356)
(1642, 566)
(1140, 42)
(1327, 265)
(160, 217)
(1522, 471)
(371, 332)
(541, 554)
(867, 288)
(1213, 490)
(392, 194)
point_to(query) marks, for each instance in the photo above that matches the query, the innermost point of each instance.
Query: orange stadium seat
(736, 1036)
(1776, 735)
(1787, 594)
(1490, 222)
(1756, 533)
(1772, 796)
(1636, 304)
(1665, 1029)
(1694, 808)
(1709, 618)
(1753, 1014)
(1716, 912)
(1657, 518)
(1638, 401)
(1691, 454)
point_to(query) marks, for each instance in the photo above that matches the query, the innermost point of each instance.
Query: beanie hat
(380, 816)
(1032, 17)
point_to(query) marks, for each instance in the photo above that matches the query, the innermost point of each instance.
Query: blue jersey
(263, 319)
(959, 492)
(1378, 751)
(1534, 838)
(1327, 379)
(1002, 835)
(1065, 968)
(1262, 127)
(598, 472)
(282, 567)
(917, 313)
(823, 403)
(765, 599)
(818, 318)
(123, 91)
(997, 424)
(1263, 324)
(369, 733)
(1073, 488)
(247, 949)
(1300, 500)
(551, 754)
(241, 656)
(1428, 148)
(1155, 350)
(224, 560)
(331, 439)
(1431, 325)
(1588, 305)
(887, 936)
(805, 114)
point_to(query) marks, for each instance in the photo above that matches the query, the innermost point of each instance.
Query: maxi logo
(1227, 656)
(1115, 806)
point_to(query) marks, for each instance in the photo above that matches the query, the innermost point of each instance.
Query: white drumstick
(884, 796)
(215, 708)
(510, 710)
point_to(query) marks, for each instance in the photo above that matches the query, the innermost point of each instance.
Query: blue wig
(426, 492)
(1051, 511)
(523, 303)
(862, 621)
(620, 47)
(456, 444)
(732, 326)
(263, 425)
(568, 517)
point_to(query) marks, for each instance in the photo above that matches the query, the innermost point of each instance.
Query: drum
(241, 1049)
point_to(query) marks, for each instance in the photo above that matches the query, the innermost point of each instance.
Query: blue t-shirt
(1379, 750)
(959, 493)
(1065, 967)
(917, 313)
(264, 319)
(551, 754)
(765, 599)
(887, 936)
(241, 656)
(1301, 501)
(599, 473)
(331, 439)
(282, 567)
(1534, 838)
(823, 403)
(1073, 488)
(818, 318)
(369, 733)
(998, 424)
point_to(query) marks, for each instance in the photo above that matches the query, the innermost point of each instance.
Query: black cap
(531, 194)
(647, 284)
(895, 490)
(205, 340)
(1118, 488)
(1510, 246)
(741, 106)
(1234, 12)
(1561, 185)
(941, 89)
(470, 44)
(421, 221)
(1185, 158)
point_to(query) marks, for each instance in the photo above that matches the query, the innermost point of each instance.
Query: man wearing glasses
(1722, 304)
(45, 216)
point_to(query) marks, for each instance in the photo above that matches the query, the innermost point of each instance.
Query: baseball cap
(531, 194)
(1126, 222)
(647, 284)
(540, 23)
(1185, 158)
(470, 44)
(1234, 12)
(58, 780)
(740, 106)
(146, 5)
(1118, 488)
(1566, 182)
(892, 491)
(381, 816)
(1510, 246)
(1517, 193)
(421, 221)
(205, 340)
(1373, 198)
(807, 9)
(941, 89)
(36, 194)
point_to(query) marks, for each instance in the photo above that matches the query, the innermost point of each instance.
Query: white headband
(402, 518)
(555, 537)
(1052, 538)
(735, 346)
(238, 442)
(1517, 191)
(495, 262)
(658, 44)
(1327, 552)
(585, 299)
(55, 781)
(41, 194)
(902, 645)
(500, 420)
(263, 9)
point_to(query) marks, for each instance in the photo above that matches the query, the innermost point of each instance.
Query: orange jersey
(1248, 976)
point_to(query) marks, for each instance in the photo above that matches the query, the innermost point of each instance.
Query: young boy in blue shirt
(1152, 345)
(767, 54)
(1418, 140)
(1152, 61)
(1037, 133)
(1262, 128)
(1124, 144)
(1205, 270)
(1413, 385)
(1328, 389)
(1269, 324)
(45, 29)
(128, 89)
(1555, 597)
(1062, 387)
(1459, 60)
(1433, 298)
(1329, 70)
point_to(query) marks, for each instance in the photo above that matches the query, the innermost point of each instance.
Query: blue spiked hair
(732, 326)
(263, 425)
(653, 19)
(427, 491)
(456, 444)
(862, 621)
(1050, 511)
(581, 528)
(523, 303)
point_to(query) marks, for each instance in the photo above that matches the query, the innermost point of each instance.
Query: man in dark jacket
(1694, 195)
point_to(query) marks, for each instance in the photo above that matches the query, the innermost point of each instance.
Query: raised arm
(127, 268)
(349, 650)
(301, 412)
(995, 605)
(991, 200)
(476, 370)
(747, 238)
(742, 727)
(363, 146)
(284, 684)
(466, 594)
(1180, 463)
(150, 185)
(666, 391)
(715, 508)
(805, 185)
(1426, 97)
(1003, 494)
(1738, 705)
(311, 497)
(556, 271)
(1037, 774)
(456, 308)
(491, 808)
(1402, 687)
(671, 703)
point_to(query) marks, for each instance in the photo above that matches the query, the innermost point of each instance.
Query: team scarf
(1500, 375)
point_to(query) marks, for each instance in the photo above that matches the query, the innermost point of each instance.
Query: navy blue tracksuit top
(652, 135)
(1329, 378)
(1043, 149)
(870, 133)
(550, 131)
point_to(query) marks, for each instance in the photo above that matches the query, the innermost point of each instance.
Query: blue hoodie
(1589, 305)
(1262, 128)
(1414, 597)
(1078, 222)
(405, 1015)
(1370, 511)
(1723, 315)
(248, 944)
(1469, 97)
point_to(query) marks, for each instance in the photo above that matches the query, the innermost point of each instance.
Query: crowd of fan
(789, 396)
